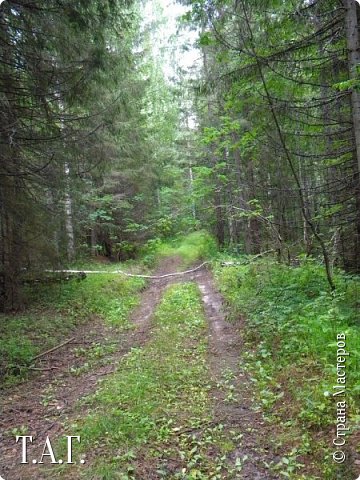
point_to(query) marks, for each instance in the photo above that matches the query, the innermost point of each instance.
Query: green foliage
(292, 327)
(191, 248)
(110, 296)
(206, 39)
(270, 104)
(15, 348)
(77, 112)
(347, 84)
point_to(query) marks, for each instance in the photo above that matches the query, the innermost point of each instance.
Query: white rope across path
(153, 277)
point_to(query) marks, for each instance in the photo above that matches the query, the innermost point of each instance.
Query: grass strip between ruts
(153, 417)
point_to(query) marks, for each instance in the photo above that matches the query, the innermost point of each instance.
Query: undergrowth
(190, 248)
(54, 309)
(292, 325)
(53, 312)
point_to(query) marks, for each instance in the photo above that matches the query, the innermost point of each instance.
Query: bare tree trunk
(352, 37)
(191, 178)
(94, 242)
(306, 229)
(69, 216)
(191, 173)
(240, 223)
(220, 222)
(52, 206)
(11, 298)
(353, 45)
(254, 222)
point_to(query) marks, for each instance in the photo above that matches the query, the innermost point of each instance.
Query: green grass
(154, 414)
(292, 323)
(53, 312)
(190, 248)
(104, 264)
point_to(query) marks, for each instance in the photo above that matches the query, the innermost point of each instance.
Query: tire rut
(226, 346)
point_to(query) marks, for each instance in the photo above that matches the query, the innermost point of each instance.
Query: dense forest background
(103, 149)
(213, 148)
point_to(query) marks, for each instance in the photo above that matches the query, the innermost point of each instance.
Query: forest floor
(232, 439)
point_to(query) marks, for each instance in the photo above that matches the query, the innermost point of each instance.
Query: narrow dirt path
(226, 347)
(39, 406)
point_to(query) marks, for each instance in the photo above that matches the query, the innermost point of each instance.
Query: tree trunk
(11, 254)
(94, 250)
(352, 37)
(220, 222)
(353, 45)
(191, 180)
(69, 216)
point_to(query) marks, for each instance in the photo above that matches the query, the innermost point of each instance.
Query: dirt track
(42, 404)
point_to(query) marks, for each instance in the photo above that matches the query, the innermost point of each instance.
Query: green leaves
(206, 39)
(347, 84)
(100, 215)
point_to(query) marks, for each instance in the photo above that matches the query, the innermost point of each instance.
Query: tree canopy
(107, 143)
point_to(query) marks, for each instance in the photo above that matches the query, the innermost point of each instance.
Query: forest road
(40, 406)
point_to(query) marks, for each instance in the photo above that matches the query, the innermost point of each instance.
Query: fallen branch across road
(121, 272)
